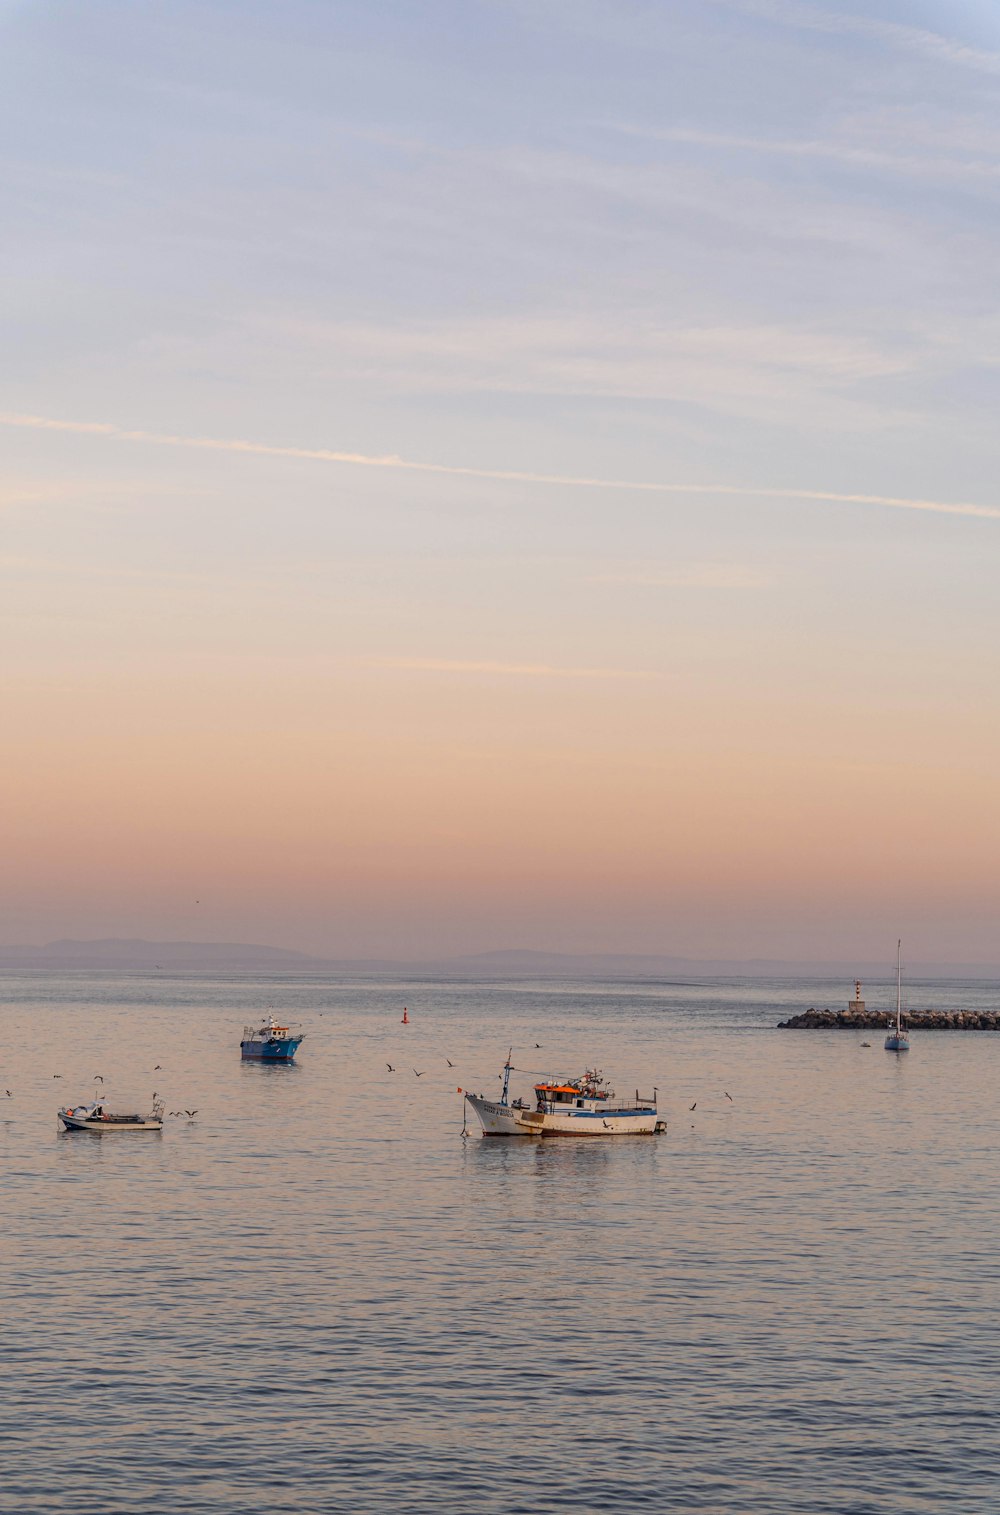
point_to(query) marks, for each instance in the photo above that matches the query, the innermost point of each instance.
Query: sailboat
(897, 1039)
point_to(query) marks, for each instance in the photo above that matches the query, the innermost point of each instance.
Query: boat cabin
(578, 1093)
(270, 1031)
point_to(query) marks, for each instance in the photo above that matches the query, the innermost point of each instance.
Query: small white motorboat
(95, 1116)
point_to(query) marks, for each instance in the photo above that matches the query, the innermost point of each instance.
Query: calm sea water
(318, 1296)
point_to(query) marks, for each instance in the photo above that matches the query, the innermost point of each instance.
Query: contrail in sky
(530, 670)
(503, 475)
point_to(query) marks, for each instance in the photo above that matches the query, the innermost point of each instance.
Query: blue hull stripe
(597, 1114)
(277, 1052)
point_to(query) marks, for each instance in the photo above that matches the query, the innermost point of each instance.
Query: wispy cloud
(106, 430)
(856, 155)
(27, 496)
(832, 376)
(58, 492)
(521, 670)
(928, 44)
(621, 354)
(691, 576)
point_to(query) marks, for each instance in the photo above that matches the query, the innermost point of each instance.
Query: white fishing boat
(582, 1106)
(95, 1116)
(898, 1040)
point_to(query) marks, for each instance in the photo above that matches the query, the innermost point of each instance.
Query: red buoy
(406, 1018)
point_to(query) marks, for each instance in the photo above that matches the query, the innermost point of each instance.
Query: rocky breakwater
(871, 1020)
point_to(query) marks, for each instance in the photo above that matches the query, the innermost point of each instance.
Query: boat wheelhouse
(583, 1106)
(270, 1043)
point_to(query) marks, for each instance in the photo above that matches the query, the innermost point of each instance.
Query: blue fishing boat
(270, 1043)
(898, 1040)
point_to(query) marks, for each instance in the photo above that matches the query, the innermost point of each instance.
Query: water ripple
(319, 1297)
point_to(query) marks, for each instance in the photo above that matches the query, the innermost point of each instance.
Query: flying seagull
(98, 1079)
(390, 1067)
(449, 1062)
(694, 1106)
(729, 1096)
(191, 1112)
(420, 1075)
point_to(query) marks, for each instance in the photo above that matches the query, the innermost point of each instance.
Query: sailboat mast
(898, 1000)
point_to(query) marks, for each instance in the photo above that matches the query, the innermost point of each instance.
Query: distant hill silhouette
(127, 953)
(114, 954)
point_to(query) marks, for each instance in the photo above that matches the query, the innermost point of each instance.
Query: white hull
(75, 1123)
(497, 1120)
(508, 1120)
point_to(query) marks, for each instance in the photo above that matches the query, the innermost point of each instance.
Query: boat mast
(506, 1076)
(898, 1001)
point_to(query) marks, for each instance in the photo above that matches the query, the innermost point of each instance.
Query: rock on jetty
(915, 1020)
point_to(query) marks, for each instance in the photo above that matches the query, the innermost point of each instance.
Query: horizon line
(831, 965)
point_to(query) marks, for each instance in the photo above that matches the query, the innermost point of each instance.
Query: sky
(501, 474)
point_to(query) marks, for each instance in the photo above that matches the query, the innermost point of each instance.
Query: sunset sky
(597, 548)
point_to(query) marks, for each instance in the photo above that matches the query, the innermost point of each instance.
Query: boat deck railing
(613, 1107)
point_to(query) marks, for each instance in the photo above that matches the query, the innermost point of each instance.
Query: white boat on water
(95, 1116)
(898, 1040)
(566, 1107)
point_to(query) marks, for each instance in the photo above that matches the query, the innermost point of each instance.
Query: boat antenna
(506, 1076)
